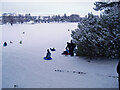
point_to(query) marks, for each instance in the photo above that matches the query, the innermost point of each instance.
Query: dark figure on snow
(66, 52)
(52, 49)
(68, 45)
(11, 22)
(48, 56)
(20, 42)
(5, 44)
(71, 47)
(118, 71)
(11, 42)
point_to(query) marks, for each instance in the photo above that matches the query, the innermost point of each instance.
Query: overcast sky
(48, 0)
(44, 7)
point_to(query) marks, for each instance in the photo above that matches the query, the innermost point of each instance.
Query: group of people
(69, 49)
(5, 43)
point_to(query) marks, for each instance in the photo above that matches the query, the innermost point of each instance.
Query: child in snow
(71, 48)
(66, 52)
(5, 44)
(20, 42)
(11, 42)
(48, 56)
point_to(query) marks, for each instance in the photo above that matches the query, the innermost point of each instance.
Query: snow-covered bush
(98, 36)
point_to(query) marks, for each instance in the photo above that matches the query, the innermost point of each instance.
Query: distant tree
(27, 17)
(14, 18)
(74, 18)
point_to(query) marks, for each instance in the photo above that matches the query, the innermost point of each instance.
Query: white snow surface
(23, 64)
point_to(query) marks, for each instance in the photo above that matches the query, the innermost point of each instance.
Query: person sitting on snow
(5, 44)
(66, 52)
(48, 56)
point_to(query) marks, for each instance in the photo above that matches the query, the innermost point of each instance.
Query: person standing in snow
(71, 49)
(11, 22)
(68, 45)
(48, 56)
(118, 71)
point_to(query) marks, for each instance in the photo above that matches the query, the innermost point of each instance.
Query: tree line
(13, 18)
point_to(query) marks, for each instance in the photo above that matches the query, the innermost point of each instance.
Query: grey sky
(81, 8)
(48, 0)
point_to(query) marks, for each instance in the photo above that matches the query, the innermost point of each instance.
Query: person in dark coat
(68, 45)
(72, 46)
(5, 44)
(118, 71)
(20, 42)
(11, 22)
(48, 56)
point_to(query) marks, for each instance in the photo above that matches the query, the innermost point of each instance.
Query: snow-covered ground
(23, 64)
(0, 57)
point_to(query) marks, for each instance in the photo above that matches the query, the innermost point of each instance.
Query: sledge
(52, 49)
(47, 58)
(65, 53)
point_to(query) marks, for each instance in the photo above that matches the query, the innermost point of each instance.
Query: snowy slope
(0, 57)
(23, 64)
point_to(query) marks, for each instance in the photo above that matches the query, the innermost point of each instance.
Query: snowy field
(23, 64)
